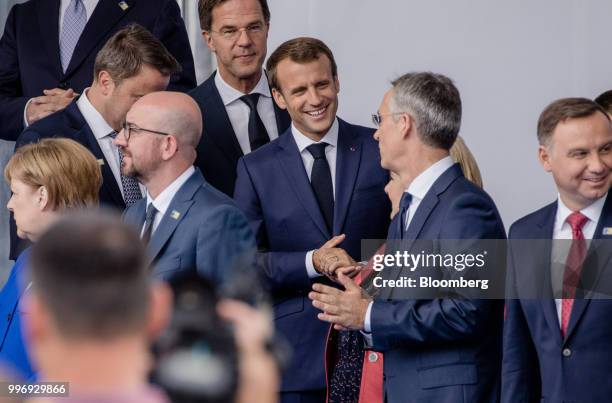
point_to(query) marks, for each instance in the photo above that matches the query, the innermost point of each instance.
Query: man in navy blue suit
(131, 64)
(236, 101)
(435, 350)
(319, 179)
(557, 335)
(49, 46)
(187, 224)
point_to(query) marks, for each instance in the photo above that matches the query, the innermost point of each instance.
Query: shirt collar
(94, 119)
(421, 184)
(163, 200)
(331, 137)
(229, 94)
(592, 211)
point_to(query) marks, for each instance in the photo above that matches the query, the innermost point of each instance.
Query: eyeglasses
(377, 117)
(128, 128)
(232, 34)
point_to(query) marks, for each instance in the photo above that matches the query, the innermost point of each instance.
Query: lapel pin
(124, 6)
(175, 215)
(607, 231)
(100, 162)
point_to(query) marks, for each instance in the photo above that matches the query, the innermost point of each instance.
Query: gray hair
(433, 101)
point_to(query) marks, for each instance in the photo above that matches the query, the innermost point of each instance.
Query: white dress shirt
(163, 200)
(238, 112)
(418, 188)
(102, 132)
(562, 230)
(331, 153)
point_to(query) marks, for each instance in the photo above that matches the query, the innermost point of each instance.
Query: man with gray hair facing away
(436, 350)
(187, 223)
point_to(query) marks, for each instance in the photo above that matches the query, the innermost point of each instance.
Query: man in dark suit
(49, 46)
(320, 178)
(435, 350)
(557, 333)
(187, 224)
(236, 102)
(131, 64)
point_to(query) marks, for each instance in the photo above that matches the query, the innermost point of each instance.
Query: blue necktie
(403, 213)
(321, 182)
(148, 226)
(131, 190)
(258, 136)
(73, 24)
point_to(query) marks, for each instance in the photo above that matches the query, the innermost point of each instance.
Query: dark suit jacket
(443, 350)
(69, 123)
(274, 192)
(29, 50)
(539, 364)
(219, 150)
(202, 230)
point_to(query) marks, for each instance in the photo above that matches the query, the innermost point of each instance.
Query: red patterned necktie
(573, 267)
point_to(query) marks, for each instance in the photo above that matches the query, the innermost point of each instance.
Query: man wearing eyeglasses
(186, 223)
(131, 64)
(236, 101)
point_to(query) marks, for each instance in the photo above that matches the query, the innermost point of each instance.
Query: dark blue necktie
(258, 136)
(403, 213)
(321, 182)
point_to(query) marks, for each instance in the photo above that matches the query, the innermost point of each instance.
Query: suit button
(372, 357)
(567, 352)
(63, 85)
(9, 317)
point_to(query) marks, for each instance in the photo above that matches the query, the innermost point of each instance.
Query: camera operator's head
(92, 307)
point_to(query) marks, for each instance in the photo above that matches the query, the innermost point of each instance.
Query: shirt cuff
(25, 119)
(367, 327)
(312, 272)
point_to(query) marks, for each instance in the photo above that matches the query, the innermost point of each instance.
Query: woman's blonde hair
(460, 153)
(68, 171)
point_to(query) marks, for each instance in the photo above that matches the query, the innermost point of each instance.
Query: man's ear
(279, 98)
(160, 309)
(169, 147)
(544, 157)
(105, 82)
(406, 124)
(209, 41)
(42, 198)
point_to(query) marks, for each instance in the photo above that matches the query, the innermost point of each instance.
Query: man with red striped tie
(558, 333)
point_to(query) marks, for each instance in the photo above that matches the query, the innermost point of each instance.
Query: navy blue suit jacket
(29, 50)
(443, 350)
(202, 230)
(539, 364)
(70, 123)
(274, 192)
(219, 150)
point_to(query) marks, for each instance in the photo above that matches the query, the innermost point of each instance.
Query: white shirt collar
(421, 184)
(163, 200)
(592, 212)
(94, 119)
(331, 137)
(229, 94)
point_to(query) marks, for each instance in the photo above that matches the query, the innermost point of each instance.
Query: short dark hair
(205, 9)
(90, 270)
(299, 50)
(561, 110)
(434, 103)
(129, 49)
(605, 101)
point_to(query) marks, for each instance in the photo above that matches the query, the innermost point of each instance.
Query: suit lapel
(177, 210)
(598, 259)
(347, 167)
(291, 164)
(48, 21)
(105, 16)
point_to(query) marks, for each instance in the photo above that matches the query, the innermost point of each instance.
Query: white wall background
(508, 58)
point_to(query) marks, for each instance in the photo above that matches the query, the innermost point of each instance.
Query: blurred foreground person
(46, 178)
(93, 310)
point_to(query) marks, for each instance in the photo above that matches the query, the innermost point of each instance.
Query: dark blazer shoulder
(205, 90)
(521, 228)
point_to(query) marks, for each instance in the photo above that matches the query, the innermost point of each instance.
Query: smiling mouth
(317, 113)
(597, 180)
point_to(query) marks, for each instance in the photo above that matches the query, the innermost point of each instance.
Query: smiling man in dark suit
(49, 46)
(321, 178)
(236, 102)
(558, 336)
